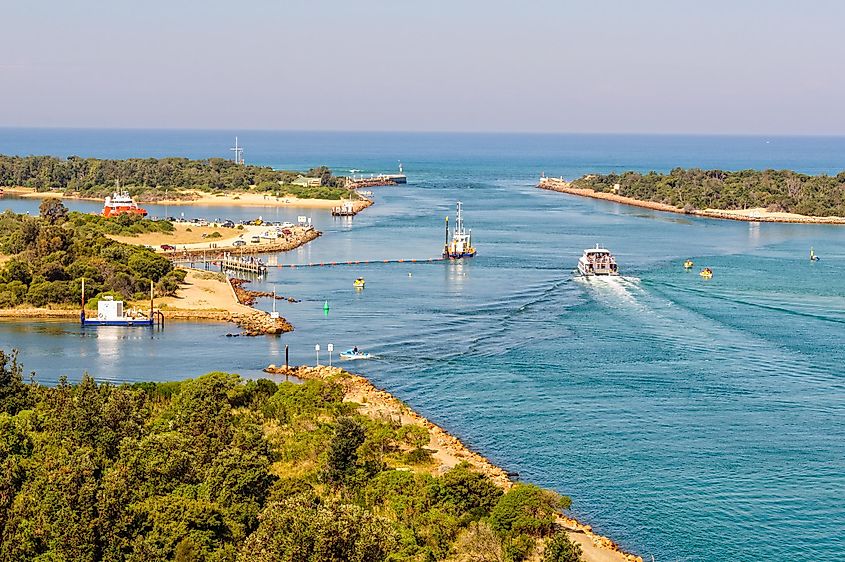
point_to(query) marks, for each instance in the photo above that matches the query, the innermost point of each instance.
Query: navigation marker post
(317, 349)
(330, 347)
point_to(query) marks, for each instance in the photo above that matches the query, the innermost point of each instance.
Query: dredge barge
(461, 244)
(110, 312)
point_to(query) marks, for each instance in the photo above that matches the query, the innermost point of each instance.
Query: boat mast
(151, 299)
(459, 222)
(446, 246)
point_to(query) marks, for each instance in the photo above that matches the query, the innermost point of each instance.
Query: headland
(448, 451)
(756, 214)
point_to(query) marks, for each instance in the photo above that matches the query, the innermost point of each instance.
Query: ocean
(688, 419)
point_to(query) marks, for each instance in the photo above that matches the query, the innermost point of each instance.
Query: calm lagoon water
(689, 419)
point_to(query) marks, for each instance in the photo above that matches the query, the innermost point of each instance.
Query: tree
(150, 265)
(562, 549)
(14, 394)
(300, 529)
(53, 210)
(462, 490)
(527, 509)
(343, 450)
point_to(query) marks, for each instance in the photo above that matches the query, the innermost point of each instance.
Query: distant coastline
(758, 214)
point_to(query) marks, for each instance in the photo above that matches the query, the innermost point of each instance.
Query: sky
(587, 66)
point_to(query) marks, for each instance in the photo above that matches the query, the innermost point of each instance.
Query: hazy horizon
(610, 67)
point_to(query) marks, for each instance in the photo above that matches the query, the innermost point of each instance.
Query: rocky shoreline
(562, 186)
(448, 449)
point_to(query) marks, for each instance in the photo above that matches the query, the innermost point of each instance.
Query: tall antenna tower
(239, 152)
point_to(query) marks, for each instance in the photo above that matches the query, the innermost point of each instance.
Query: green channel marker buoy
(326, 308)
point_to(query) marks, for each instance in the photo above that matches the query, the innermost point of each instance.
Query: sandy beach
(448, 450)
(204, 296)
(190, 238)
(202, 198)
(748, 215)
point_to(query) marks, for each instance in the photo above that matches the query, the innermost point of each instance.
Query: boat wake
(613, 290)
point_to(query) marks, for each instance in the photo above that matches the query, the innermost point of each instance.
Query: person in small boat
(355, 349)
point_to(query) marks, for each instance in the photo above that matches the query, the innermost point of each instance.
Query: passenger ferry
(461, 244)
(120, 203)
(597, 261)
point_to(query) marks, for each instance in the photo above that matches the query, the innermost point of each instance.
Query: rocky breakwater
(257, 322)
(261, 324)
(448, 451)
(247, 296)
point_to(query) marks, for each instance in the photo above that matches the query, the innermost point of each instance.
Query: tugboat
(121, 203)
(597, 261)
(461, 244)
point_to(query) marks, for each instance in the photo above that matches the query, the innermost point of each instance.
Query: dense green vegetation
(150, 178)
(51, 253)
(775, 190)
(221, 469)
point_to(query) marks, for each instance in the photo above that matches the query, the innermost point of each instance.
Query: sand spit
(748, 215)
(201, 198)
(205, 296)
(448, 450)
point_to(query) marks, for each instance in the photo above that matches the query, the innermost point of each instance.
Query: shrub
(562, 549)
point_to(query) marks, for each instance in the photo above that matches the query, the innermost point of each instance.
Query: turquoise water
(688, 419)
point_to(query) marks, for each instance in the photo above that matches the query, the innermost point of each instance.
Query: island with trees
(753, 195)
(157, 179)
(228, 470)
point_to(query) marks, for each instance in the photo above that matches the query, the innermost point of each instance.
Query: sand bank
(202, 198)
(252, 199)
(210, 296)
(188, 239)
(448, 450)
(204, 296)
(749, 215)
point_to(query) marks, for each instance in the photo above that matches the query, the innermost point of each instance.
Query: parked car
(255, 240)
(287, 225)
(228, 224)
(239, 242)
(167, 247)
(286, 232)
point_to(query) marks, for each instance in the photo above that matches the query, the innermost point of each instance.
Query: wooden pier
(239, 263)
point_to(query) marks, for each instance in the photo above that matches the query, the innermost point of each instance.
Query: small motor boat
(706, 273)
(359, 283)
(688, 264)
(351, 354)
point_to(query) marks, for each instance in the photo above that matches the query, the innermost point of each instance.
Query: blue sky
(648, 66)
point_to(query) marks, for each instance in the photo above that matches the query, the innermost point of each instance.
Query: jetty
(248, 264)
(379, 180)
(345, 210)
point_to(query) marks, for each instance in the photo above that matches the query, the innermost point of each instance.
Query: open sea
(688, 419)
